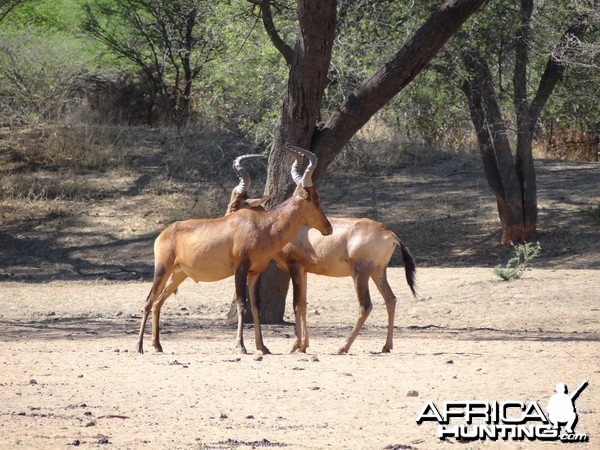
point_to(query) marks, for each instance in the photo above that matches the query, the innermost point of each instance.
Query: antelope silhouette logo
(561, 406)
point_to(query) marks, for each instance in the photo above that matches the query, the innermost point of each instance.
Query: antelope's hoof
(158, 349)
(264, 351)
(242, 350)
(342, 351)
(386, 349)
(299, 348)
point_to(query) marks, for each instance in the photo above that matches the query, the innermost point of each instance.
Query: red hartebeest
(240, 244)
(360, 248)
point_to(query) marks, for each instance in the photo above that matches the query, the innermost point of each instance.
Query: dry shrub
(573, 143)
(379, 149)
(76, 149)
(49, 162)
(122, 99)
(195, 156)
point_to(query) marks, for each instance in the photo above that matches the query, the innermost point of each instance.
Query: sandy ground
(70, 376)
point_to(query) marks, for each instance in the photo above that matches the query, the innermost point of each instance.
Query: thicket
(57, 65)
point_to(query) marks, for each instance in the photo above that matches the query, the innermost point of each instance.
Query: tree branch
(554, 72)
(267, 18)
(389, 80)
(7, 6)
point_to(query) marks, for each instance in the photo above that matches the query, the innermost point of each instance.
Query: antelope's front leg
(241, 275)
(255, 308)
(174, 281)
(299, 280)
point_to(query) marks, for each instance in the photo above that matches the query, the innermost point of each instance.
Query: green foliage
(168, 42)
(47, 15)
(524, 254)
(246, 80)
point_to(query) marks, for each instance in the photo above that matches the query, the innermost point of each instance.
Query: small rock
(258, 358)
(314, 359)
(412, 394)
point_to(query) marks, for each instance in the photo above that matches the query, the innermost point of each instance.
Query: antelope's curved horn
(242, 173)
(304, 180)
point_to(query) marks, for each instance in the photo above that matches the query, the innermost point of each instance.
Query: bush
(515, 266)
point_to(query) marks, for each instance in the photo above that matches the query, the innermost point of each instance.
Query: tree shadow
(42, 256)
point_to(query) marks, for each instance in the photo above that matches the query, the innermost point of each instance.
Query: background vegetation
(90, 63)
(94, 159)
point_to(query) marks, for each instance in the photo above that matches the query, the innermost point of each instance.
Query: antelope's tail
(410, 269)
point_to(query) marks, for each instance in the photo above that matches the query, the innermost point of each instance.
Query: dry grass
(573, 143)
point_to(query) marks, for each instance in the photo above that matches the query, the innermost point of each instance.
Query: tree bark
(302, 103)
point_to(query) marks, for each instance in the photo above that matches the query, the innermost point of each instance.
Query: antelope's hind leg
(360, 275)
(380, 280)
(161, 275)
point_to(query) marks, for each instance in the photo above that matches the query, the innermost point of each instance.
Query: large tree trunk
(301, 108)
(309, 64)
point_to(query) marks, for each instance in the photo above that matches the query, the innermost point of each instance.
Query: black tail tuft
(409, 268)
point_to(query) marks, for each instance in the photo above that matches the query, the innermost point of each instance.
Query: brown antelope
(360, 248)
(240, 244)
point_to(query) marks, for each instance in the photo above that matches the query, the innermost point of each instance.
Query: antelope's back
(352, 241)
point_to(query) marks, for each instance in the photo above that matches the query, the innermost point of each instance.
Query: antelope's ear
(303, 193)
(256, 202)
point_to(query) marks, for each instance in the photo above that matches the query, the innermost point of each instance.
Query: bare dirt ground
(70, 375)
(75, 274)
